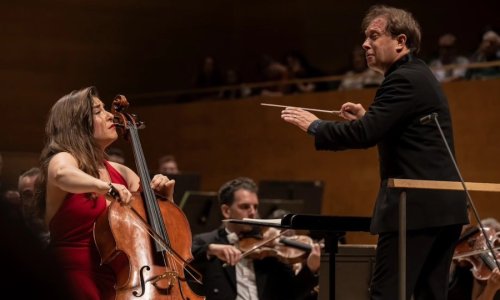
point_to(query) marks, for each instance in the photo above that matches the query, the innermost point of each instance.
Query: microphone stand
(434, 116)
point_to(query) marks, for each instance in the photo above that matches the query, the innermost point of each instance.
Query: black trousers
(428, 257)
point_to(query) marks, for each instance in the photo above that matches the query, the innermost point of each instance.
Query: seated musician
(463, 283)
(75, 178)
(226, 275)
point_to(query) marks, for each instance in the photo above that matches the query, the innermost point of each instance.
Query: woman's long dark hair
(70, 128)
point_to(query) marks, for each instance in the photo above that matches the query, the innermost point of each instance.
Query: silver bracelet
(113, 192)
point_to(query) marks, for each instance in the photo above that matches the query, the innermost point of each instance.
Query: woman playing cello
(76, 177)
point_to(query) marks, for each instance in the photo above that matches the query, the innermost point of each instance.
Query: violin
(473, 250)
(270, 242)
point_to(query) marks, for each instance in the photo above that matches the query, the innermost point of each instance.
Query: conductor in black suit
(228, 276)
(407, 149)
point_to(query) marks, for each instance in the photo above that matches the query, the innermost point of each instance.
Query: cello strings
(171, 258)
(189, 269)
(143, 225)
(155, 213)
(149, 195)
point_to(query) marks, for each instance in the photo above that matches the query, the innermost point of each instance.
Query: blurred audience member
(491, 223)
(116, 155)
(237, 89)
(272, 70)
(488, 50)
(27, 188)
(167, 165)
(208, 75)
(12, 201)
(300, 68)
(360, 76)
(447, 55)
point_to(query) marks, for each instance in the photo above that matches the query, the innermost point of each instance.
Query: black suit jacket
(407, 149)
(275, 280)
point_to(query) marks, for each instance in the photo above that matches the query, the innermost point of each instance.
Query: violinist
(464, 284)
(75, 184)
(227, 275)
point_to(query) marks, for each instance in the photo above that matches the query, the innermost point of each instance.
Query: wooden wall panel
(225, 139)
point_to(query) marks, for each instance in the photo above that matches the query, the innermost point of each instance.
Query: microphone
(427, 119)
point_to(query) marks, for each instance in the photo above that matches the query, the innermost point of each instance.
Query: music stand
(403, 184)
(268, 206)
(310, 192)
(185, 182)
(202, 211)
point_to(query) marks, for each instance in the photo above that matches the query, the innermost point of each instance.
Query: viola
(270, 242)
(146, 243)
(473, 250)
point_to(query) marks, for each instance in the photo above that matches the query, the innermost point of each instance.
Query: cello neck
(150, 203)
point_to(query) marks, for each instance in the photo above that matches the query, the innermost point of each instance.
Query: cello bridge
(169, 275)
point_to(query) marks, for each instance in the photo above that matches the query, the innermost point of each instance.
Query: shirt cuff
(313, 128)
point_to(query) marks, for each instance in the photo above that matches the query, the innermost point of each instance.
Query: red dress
(72, 243)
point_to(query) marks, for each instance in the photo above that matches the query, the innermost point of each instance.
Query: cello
(148, 242)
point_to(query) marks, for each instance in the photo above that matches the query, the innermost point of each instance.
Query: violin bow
(258, 245)
(262, 243)
(473, 252)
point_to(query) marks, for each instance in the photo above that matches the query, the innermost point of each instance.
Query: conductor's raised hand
(352, 111)
(164, 186)
(298, 117)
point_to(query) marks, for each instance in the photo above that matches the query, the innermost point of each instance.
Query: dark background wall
(130, 46)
